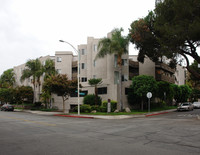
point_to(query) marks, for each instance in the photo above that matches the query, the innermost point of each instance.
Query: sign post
(149, 95)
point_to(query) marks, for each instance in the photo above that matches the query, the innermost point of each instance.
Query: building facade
(105, 68)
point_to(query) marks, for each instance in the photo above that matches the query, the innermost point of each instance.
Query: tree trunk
(64, 110)
(96, 94)
(120, 88)
(34, 99)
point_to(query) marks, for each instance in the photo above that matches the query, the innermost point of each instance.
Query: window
(94, 76)
(102, 90)
(95, 48)
(58, 71)
(59, 59)
(124, 77)
(83, 66)
(94, 63)
(116, 79)
(115, 61)
(83, 52)
(83, 79)
(124, 62)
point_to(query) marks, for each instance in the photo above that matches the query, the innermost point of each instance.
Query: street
(31, 134)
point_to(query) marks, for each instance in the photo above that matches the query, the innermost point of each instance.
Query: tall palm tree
(33, 68)
(117, 45)
(49, 68)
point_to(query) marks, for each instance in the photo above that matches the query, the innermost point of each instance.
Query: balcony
(162, 77)
(164, 67)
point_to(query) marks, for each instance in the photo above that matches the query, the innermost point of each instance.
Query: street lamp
(77, 74)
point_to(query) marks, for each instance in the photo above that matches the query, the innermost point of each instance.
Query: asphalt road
(31, 134)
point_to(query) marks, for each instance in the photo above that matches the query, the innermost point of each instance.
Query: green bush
(95, 107)
(84, 108)
(103, 109)
(89, 99)
(113, 105)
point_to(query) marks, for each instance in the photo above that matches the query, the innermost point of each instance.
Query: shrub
(113, 105)
(103, 109)
(89, 99)
(84, 108)
(95, 107)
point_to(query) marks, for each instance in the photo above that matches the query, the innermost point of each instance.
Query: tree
(117, 45)
(165, 91)
(177, 93)
(33, 69)
(23, 94)
(141, 85)
(49, 68)
(62, 86)
(95, 83)
(185, 93)
(6, 95)
(192, 80)
(172, 30)
(7, 79)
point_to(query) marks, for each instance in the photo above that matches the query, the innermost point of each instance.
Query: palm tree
(49, 68)
(95, 83)
(33, 68)
(117, 45)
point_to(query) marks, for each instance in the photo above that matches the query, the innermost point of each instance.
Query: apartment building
(160, 71)
(105, 68)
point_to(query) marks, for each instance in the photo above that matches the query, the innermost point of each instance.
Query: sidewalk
(97, 116)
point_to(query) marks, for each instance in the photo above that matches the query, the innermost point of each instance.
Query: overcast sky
(31, 28)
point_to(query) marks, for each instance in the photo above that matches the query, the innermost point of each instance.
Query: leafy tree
(172, 30)
(95, 83)
(141, 85)
(7, 79)
(193, 81)
(33, 69)
(23, 94)
(177, 93)
(62, 86)
(117, 45)
(195, 95)
(6, 95)
(185, 93)
(165, 91)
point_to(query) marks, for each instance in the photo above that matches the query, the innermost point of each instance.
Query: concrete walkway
(97, 116)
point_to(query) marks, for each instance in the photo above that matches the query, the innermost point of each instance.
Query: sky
(32, 28)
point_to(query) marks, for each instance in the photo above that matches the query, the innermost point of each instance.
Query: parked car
(196, 105)
(7, 107)
(185, 106)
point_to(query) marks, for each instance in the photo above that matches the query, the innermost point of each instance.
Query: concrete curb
(60, 114)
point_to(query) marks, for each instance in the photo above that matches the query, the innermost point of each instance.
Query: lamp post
(77, 74)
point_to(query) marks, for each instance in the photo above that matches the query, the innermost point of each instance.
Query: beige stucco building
(105, 68)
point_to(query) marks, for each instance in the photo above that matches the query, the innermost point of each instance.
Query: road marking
(25, 120)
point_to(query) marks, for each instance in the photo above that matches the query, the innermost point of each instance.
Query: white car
(185, 106)
(196, 105)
